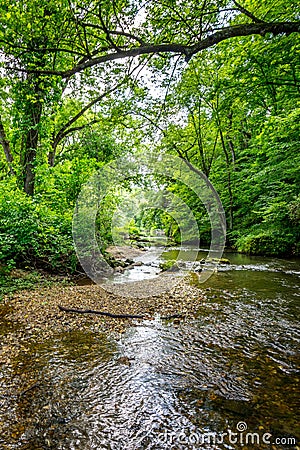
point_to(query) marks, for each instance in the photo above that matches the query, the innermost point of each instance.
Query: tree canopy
(216, 83)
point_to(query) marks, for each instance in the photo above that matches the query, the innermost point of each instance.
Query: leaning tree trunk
(229, 181)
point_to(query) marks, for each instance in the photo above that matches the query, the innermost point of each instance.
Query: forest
(86, 82)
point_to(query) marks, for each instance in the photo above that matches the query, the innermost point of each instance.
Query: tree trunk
(31, 145)
(229, 139)
(229, 184)
(51, 158)
(6, 147)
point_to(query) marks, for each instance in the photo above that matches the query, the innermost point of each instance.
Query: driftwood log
(113, 316)
(100, 313)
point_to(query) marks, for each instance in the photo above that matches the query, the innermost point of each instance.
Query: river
(228, 379)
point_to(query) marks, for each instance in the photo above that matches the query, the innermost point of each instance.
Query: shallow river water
(228, 379)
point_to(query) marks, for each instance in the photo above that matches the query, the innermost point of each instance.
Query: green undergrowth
(21, 280)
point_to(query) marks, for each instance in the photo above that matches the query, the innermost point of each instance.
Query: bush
(33, 235)
(266, 242)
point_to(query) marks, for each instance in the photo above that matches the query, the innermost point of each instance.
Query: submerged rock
(124, 360)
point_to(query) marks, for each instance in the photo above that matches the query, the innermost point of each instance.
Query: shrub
(266, 242)
(33, 235)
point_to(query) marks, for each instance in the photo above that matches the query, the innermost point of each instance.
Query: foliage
(31, 234)
(239, 124)
(267, 242)
(11, 282)
(216, 83)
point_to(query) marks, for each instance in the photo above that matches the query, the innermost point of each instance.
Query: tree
(225, 115)
(50, 47)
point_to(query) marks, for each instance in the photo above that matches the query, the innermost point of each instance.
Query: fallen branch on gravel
(100, 313)
(114, 316)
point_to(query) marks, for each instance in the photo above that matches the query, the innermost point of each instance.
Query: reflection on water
(165, 386)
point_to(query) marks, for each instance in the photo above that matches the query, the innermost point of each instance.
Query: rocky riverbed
(35, 314)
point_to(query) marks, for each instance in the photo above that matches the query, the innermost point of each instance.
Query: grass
(10, 283)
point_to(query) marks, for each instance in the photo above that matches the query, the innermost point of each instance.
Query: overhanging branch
(186, 50)
(245, 30)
